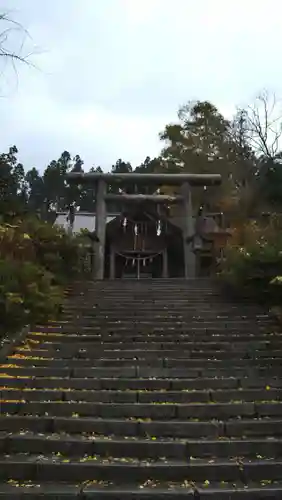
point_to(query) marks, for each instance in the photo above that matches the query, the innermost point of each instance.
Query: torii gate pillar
(100, 228)
(188, 232)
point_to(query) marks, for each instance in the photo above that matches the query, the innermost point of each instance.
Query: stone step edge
(65, 445)
(38, 459)
(141, 470)
(61, 491)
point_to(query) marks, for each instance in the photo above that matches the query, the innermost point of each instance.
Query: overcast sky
(114, 72)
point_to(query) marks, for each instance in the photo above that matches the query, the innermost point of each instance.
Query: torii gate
(185, 181)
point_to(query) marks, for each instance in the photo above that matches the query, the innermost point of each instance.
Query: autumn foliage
(36, 261)
(252, 266)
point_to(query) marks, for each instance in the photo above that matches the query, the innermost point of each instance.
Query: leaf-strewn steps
(144, 390)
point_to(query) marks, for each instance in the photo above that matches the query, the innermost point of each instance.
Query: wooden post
(165, 264)
(188, 232)
(101, 219)
(112, 263)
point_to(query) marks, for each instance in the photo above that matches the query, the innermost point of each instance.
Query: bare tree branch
(13, 39)
(264, 124)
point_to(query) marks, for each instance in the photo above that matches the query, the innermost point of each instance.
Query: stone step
(161, 362)
(51, 468)
(98, 301)
(161, 411)
(200, 335)
(233, 428)
(20, 490)
(140, 286)
(143, 491)
(142, 372)
(154, 326)
(131, 396)
(202, 283)
(111, 446)
(171, 321)
(153, 389)
(132, 384)
(142, 383)
(161, 316)
(143, 330)
(71, 445)
(90, 354)
(130, 337)
(184, 313)
(106, 357)
(158, 296)
(185, 306)
(149, 348)
(148, 294)
(270, 341)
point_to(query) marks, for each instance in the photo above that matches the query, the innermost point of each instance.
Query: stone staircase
(159, 390)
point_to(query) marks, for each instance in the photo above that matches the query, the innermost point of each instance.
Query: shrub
(54, 249)
(26, 295)
(36, 261)
(251, 268)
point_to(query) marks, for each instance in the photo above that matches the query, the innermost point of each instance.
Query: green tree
(20, 180)
(205, 142)
(54, 182)
(270, 183)
(11, 201)
(121, 167)
(35, 188)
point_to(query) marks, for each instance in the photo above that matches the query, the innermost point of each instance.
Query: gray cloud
(113, 73)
